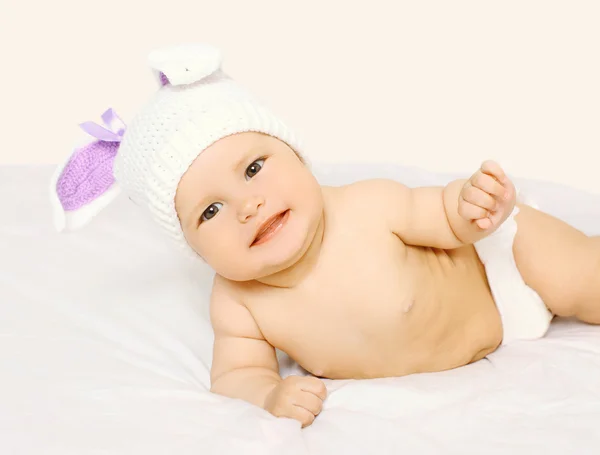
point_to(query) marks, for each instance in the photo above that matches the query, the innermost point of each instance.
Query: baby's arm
(244, 364)
(460, 213)
(418, 215)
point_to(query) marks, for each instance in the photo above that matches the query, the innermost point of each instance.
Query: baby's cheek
(217, 249)
(197, 250)
(203, 248)
(195, 243)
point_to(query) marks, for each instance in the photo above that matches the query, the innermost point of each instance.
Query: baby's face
(249, 206)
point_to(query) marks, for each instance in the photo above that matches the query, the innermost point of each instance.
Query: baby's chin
(253, 268)
(260, 261)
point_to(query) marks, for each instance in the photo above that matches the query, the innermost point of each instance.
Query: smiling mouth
(270, 228)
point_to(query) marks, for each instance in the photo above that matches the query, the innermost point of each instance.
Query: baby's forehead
(208, 169)
(212, 163)
(230, 154)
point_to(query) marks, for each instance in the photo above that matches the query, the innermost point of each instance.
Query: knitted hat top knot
(196, 105)
(184, 64)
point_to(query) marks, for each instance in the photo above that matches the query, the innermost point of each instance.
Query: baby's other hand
(297, 397)
(488, 197)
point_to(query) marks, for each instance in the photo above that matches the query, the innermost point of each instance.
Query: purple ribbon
(113, 128)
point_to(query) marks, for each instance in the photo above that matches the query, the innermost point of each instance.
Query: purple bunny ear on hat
(85, 184)
(185, 63)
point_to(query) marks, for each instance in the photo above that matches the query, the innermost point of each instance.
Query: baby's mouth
(270, 227)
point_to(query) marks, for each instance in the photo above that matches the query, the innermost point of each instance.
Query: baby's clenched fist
(297, 397)
(488, 197)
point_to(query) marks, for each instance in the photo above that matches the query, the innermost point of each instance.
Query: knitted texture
(87, 175)
(175, 126)
(195, 105)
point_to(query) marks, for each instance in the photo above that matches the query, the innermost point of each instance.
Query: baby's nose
(249, 208)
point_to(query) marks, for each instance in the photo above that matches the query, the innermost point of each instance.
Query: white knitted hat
(196, 105)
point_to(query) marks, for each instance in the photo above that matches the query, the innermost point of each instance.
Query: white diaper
(524, 315)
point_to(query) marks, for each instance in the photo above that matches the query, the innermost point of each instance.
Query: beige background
(442, 85)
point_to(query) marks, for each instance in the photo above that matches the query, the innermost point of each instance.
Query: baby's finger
(309, 401)
(479, 197)
(302, 415)
(488, 184)
(484, 223)
(314, 386)
(471, 211)
(492, 168)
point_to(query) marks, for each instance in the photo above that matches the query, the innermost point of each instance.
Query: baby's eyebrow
(242, 161)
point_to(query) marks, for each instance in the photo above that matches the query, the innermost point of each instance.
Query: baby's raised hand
(488, 197)
(297, 397)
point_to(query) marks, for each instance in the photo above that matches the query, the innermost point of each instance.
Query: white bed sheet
(105, 348)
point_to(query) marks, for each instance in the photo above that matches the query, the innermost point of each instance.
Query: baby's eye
(254, 168)
(211, 211)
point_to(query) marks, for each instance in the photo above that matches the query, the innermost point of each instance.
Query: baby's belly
(438, 317)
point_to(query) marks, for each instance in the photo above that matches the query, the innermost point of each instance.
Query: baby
(369, 280)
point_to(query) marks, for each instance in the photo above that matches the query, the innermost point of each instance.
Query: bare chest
(382, 313)
(352, 306)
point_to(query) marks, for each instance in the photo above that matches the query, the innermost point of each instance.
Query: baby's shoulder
(229, 293)
(224, 289)
(366, 205)
(373, 185)
(376, 192)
